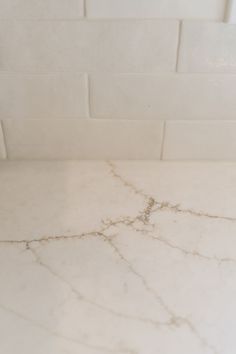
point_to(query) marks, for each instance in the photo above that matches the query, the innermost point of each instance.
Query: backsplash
(117, 79)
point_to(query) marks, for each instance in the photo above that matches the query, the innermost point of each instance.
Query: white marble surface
(124, 258)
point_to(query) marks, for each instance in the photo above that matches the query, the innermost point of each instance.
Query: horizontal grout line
(122, 119)
(119, 19)
(36, 160)
(81, 119)
(193, 160)
(121, 73)
(50, 160)
(223, 120)
(100, 73)
(22, 72)
(166, 119)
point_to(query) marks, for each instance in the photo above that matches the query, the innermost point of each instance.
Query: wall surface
(118, 79)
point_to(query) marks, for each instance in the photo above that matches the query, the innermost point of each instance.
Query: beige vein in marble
(154, 253)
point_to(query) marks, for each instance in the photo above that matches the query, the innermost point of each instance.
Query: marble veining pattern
(124, 257)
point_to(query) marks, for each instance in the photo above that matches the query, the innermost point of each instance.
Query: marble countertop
(117, 257)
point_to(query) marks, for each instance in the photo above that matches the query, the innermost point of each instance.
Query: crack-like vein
(51, 238)
(84, 299)
(176, 208)
(175, 320)
(143, 217)
(163, 205)
(115, 174)
(131, 223)
(143, 281)
(139, 223)
(197, 254)
(57, 334)
(148, 210)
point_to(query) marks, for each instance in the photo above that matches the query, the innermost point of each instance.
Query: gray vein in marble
(192, 253)
(174, 318)
(82, 298)
(145, 217)
(140, 223)
(164, 205)
(62, 336)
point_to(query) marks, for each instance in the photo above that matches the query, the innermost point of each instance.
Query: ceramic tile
(83, 139)
(141, 46)
(45, 96)
(207, 47)
(230, 15)
(209, 140)
(165, 96)
(206, 9)
(47, 9)
(131, 245)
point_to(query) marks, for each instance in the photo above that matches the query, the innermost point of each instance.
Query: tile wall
(117, 79)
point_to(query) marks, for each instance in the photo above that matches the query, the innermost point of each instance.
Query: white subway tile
(45, 96)
(198, 140)
(230, 13)
(208, 47)
(206, 9)
(2, 144)
(113, 46)
(167, 96)
(41, 9)
(83, 139)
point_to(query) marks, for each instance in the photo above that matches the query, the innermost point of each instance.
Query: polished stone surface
(117, 257)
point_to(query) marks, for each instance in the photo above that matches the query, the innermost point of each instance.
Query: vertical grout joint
(230, 11)
(163, 140)
(3, 145)
(178, 45)
(88, 95)
(85, 8)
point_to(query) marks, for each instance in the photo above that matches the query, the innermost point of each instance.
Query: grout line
(230, 12)
(88, 95)
(100, 19)
(85, 9)
(121, 73)
(163, 141)
(4, 142)
(178, 46)
(111, 73)
(227, 12)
